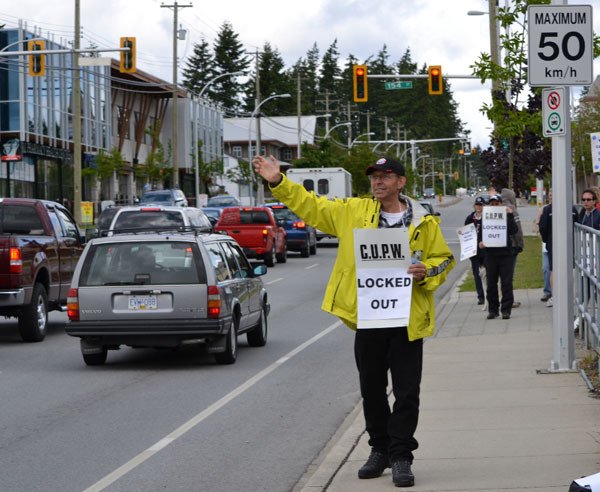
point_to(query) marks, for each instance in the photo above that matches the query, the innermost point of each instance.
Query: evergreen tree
(330, 69)
(273, 80)
(229, 56)
(199, 69)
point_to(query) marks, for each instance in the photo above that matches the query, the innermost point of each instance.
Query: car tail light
(73, 305)
(16, 261)
(150, 209)
(299, 224)
(214, 301)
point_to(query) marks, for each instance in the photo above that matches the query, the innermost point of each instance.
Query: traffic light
(360, 90)
(461, 151)
(435, 83)
(37, 63)
(127, 62)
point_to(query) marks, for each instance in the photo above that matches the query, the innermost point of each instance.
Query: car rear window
(147, 263)
(156, 197)
(135, 219)
(21, 219)
(254, 217)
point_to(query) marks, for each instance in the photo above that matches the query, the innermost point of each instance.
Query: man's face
(588, 202)
(386, 185)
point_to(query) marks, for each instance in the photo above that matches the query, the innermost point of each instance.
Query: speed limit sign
(560, 45)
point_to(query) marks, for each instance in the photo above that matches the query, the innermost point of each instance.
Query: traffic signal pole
(77, 120)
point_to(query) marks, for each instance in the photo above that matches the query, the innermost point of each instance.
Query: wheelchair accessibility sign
(553, 111)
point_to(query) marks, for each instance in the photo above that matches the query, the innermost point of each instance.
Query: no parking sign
(553, 111)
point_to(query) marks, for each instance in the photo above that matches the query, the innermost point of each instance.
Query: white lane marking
(273, 281)
(312, 266)
(197, 419)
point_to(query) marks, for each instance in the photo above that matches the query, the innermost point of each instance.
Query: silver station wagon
(166, 290)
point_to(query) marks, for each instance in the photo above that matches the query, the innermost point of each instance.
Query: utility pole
(174, 143)
(349, 126)
(259, 182)
(77, 119)
(299, 106)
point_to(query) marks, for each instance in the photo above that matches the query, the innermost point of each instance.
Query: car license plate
(142, 303)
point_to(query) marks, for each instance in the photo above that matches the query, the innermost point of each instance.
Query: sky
(437, 32)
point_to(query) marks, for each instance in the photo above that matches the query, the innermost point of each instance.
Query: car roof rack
(149, 230)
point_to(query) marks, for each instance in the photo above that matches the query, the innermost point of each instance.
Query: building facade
(126, 114)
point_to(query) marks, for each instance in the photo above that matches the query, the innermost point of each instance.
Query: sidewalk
(492, 418)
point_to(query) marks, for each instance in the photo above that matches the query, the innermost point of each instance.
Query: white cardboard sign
(467, 236)
(384, 286)
(493, 227)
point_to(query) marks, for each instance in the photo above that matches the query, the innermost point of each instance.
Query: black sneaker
(402, 474)
(546, 297)
(376, 463)
(492, 316)
(481, 302)
(505, 316)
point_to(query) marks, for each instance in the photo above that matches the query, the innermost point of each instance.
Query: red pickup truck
(257, 232)
(40, 245)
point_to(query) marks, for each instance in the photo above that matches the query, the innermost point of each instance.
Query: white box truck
(332, 182)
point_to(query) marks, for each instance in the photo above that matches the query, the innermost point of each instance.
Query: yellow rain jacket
(340, 217)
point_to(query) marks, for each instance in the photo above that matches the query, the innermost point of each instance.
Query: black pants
(476, 262)
(377, 351)
(499, 266)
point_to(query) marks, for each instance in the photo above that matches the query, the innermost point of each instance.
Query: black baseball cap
(388, 166)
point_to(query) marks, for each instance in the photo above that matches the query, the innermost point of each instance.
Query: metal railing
(586, 253)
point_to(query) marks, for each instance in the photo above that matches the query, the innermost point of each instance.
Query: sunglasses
(587, 199)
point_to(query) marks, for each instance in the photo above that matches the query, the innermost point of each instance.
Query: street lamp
(347, 123)
(423, 182)
(195, 135)
(357, 138)
(254, 113)
(210, 82)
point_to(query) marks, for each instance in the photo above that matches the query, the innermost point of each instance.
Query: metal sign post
(560, 53)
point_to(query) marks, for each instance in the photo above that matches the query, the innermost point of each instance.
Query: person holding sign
(477, 260)
(382, 341)
(498, 228)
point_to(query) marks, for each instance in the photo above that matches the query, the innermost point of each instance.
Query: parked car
(257, 231)
(40, 244)
(222, 201)
(144, 218)
(103, 222)
(166, 290)
(299, 235)
(170, 196)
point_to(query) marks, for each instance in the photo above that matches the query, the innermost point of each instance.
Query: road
(154, 420)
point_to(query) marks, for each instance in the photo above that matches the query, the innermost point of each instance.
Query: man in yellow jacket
(377, 350)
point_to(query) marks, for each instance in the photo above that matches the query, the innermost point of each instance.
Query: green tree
(273, 80)
(199, 68)
(330, 70)
(157, 168)
(207, 171)
(229, 56)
